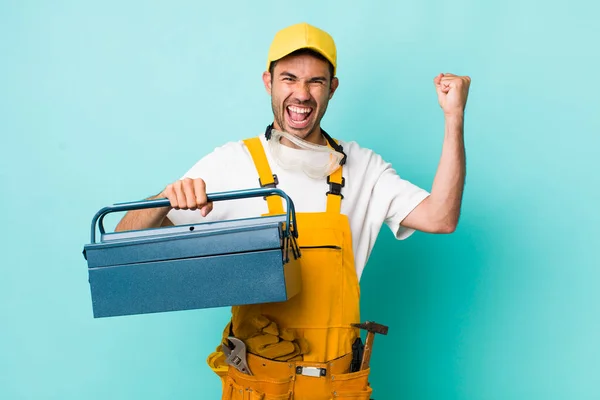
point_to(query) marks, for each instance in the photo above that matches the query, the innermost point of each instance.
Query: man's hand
(452, 93)
(188, 194)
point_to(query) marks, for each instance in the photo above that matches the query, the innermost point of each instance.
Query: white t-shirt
(374, 194)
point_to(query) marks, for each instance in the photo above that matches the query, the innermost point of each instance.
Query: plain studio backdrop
(104, 102)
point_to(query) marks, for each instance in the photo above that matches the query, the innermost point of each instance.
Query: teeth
(299, 110)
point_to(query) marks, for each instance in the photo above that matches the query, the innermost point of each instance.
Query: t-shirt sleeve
(399, 195)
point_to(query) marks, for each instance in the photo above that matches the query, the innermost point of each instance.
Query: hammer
(372, 328)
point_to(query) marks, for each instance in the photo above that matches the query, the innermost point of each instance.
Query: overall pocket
(355, 395)
(354, 385)
(240, 386)
(233, 391)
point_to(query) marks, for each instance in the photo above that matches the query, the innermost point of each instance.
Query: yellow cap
(302, 36)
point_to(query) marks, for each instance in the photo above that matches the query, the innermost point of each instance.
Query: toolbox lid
(186, 241)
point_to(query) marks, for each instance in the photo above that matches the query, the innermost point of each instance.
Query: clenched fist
(452, 92)
(188, 194)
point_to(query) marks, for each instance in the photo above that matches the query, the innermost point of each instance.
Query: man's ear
(267, 81)
(334, 85)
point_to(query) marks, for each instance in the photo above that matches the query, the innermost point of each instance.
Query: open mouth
(298, 117)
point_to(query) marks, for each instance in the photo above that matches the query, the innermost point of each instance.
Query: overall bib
(322, 313)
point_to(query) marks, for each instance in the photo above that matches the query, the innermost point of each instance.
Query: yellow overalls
(322, 313)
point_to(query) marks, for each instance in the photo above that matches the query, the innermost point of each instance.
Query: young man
(343, 194)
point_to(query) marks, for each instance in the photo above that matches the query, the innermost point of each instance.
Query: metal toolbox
(212, 264)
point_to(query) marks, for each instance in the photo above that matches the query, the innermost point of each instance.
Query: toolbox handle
(233, 195)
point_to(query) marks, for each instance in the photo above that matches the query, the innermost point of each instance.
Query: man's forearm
(447, 189)
(143, 219)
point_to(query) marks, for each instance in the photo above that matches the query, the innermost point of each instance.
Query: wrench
(236, 356)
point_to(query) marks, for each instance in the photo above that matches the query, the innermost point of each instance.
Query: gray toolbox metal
(212, 264)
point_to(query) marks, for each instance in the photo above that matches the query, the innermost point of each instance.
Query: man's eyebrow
(313, 79)
(285, 73)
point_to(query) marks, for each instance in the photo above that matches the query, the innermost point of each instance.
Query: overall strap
(335, 180)
(334, 195)
(266, 177)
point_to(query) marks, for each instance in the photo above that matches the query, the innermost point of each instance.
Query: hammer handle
(367, 351)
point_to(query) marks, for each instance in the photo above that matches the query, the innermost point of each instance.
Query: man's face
(300, 89)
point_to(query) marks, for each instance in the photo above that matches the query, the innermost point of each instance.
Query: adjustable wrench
(236, 355)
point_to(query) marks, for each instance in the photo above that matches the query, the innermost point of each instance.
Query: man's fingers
(457, 80)
(206, 209)
(447, 82)
(180, 195)
(169, 193)
(188, 190)
(199, 193)
(188, 194)
(201, 199)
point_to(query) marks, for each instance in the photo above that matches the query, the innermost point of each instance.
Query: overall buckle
(336, 188)
(269, 185)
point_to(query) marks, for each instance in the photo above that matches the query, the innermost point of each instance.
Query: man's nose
(302, 91)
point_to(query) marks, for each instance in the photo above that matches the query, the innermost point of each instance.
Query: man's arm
(145, 219)
(439, 213)
(186, 194)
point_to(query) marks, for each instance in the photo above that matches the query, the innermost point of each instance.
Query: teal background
(102, 102)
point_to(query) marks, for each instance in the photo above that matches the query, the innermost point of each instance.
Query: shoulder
(225, 150)
(229, 148)
(355, 148)
(362, 158)
(226, 157)
(237, 146)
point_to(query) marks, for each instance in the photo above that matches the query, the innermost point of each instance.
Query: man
(343, 194)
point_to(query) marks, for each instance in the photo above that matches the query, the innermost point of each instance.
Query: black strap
(336, 147)
(268, 131)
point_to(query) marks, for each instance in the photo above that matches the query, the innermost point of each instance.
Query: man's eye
(287, 78)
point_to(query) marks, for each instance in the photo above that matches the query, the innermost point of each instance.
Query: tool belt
(297, 380)
(256, 377)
